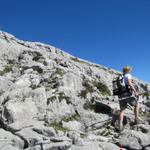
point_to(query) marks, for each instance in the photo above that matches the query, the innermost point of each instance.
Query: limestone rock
(134, 140)
(7, 139)
(43, 86)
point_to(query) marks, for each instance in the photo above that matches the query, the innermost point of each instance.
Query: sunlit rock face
(50, 99)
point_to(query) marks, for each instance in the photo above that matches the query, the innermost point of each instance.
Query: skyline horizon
(120, 71)
(110, 33)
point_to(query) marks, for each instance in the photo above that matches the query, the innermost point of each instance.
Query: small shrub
(6, 100)
(55, 74)
(79, 61)
(38, 69)
(83, 93)
(88, 88)
(1, 73)
(103, 88)
(62, 96)
(75, 59)
(145, 115)
(33, 86)
(71, 118)
(83, 135)
(51, 99)
(147, 95)
(89, 106)
(59, 71)
(36, 58)
(58, 126)
(7, 68)
(54, 83)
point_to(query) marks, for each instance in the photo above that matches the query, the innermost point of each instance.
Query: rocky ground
(50, 100)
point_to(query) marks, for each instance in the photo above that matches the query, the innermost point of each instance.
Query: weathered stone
(91, 146)
(46, 131)
(30, 137)
(17, 111)
(57, 146)
(19, 125)
(7, 139)
(143, 128)
(9, 147)
(147, 148)
(134, 140)
(5, 84)
(97, 138)
(30, 104)
(57, 110)
(108, 146)
(37, 126)
(39, 82)
(93, 120)
(72, 125)
(38, 147)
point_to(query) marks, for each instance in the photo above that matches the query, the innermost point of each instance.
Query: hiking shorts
(125, 101)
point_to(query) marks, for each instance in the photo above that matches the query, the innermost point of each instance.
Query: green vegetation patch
(62, 96)
(89, 88)
(79, 61)
(51, 99)
(33, 86)
(71, 118)
(60, 71)
(58, 126)
(103, 88)
(7, 68)
(147, 95)
(6, 100)
(89, 106)
(83, 93)
(145, 115)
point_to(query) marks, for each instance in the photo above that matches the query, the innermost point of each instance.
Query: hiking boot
(138, 121)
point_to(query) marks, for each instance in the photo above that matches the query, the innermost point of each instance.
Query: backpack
(119, 86)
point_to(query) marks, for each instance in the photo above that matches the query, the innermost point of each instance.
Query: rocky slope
(50, 100)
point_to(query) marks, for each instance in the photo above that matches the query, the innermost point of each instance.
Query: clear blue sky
(113, 33)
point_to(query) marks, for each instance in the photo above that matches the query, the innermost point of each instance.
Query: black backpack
(119, 86)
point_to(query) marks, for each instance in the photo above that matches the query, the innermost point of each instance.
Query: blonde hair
(127, 69)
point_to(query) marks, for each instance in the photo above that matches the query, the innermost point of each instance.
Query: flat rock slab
(134, 139)
(7, 139)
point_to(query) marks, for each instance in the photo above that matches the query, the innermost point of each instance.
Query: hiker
(129, 97)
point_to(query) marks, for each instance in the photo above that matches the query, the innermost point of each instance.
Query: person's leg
(133, 101)
(136, 112)
(121, 116)
(123, 106)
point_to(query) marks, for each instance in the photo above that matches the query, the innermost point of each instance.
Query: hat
(127, 69)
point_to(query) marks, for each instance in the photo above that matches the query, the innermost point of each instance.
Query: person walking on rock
(130, 97)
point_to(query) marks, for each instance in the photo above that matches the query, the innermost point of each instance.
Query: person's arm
(132, 87)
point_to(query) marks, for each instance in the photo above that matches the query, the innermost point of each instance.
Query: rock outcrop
(50, 100)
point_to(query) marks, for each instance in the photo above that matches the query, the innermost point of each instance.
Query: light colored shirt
(127, 77)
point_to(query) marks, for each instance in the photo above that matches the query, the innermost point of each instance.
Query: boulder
(134, 139)
(37, 126)
(108, 146)
(7, 139)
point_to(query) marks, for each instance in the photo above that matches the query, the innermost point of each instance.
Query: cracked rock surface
(51, 100)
